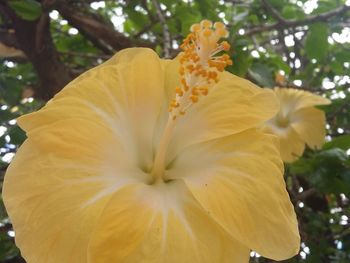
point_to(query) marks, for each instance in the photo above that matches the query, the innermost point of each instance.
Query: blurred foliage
(285, 38)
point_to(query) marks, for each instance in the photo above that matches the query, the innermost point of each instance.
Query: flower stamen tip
(200, 63)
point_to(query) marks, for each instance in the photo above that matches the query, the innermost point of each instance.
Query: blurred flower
(110, 173)
(298, 122)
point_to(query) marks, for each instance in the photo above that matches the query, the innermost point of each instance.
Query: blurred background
(289, 43)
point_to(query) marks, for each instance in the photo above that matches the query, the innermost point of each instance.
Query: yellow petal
(160, 223)
(76, 156)
(238, 180)
(293, 99)
(54, 199)
(126, 93)
(291, 144)
(232, 105)
(310, 124)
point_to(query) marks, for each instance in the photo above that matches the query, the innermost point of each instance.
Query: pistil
(200, 66)
(159, 161)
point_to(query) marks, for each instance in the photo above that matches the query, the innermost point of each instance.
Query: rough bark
(34, 39)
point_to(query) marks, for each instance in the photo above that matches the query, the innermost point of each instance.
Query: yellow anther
(206, 23)
(195, 28)
(207, 32)
(195, 92)
(219, 25)
(225, 46)
(194, 98)
(221, 32)
(225, 57)
(179, 91)
(182, 71)
(186, 88)
(198, 67)
(221, 68)
(190, 67)
(204, 91)
(212, 74)
(174, 104)
(200, 64)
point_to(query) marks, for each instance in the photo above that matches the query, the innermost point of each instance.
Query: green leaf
(278, 61)
(139, 20)
(332, 156)
(316, 44)
(188, 18)
(206, 8)
(6, 115)
(342, 56)
(262, 74)
(342, 142)
(289, 11)
(241, 61)
(17, 135)
(292, 12)
(26, 9)
(336, 67)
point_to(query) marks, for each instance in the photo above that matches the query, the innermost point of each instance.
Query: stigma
(201, 61)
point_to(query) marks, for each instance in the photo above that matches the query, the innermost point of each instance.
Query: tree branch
(273, 11)
(85, 55)
(98, 32)
(285, 23)
(34, 39)
(306, 194)
(166, 34)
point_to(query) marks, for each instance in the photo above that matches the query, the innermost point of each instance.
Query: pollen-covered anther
(221, 32)
(204, 91)
(225, 45)
(190, 68)
(195, 92)
(194, 98)
(195, 28)
(207, 32)
(200, 63)
(206, 23)
(181, 71)
(174, 104)
(179, 91)
(218, 25)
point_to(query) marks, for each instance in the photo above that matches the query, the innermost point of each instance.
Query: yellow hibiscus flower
(110, 173)
(297, 122)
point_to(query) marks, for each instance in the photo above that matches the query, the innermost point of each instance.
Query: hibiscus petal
(74, 159)
(310, 123)
(238, 180)
(54, 198)
(126, 92)
(291, 145)
(232, 105)
(293, 99)
(160, 223)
